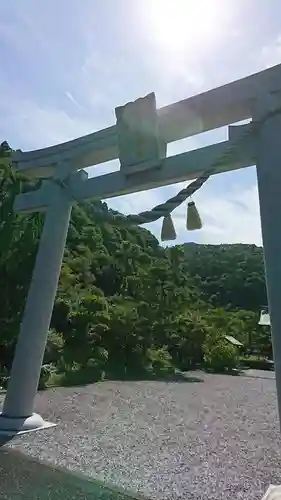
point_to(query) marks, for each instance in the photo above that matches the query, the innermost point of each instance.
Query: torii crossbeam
(139, 140)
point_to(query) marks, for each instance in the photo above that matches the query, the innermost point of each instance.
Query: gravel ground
(216, 438)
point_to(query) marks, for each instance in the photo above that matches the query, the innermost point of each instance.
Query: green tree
(219, 355)
(126, 305)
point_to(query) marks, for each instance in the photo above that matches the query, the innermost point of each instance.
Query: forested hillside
(126, 306)
(231, 276)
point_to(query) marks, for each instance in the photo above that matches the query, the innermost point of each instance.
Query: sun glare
(182, 26)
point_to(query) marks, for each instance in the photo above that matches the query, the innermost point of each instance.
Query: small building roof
(233, 341)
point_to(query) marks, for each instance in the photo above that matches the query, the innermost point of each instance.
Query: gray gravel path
(218, 438)
(26, 478)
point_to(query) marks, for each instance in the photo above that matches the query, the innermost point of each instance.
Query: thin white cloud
(72, 99)
(35, 126)
(271, 53)
(236, 218)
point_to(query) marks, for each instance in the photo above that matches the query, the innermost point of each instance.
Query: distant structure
(233, 341)
(264, 317)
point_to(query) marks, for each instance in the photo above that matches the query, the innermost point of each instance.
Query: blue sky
(66, 65)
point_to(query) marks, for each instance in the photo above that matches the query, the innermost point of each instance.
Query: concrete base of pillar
(273, 493)
(13, 426)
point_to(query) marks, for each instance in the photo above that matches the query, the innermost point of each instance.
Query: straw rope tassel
(193, 219)
(168, 232)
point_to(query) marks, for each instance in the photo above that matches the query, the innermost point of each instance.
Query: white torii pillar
(269, 187)
(17, 415)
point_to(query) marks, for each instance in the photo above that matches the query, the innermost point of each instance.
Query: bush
(60, 316)
(4, 378)
(76, 374)
(256, 363)
(159, 362)
(54, 347)
(185, 339)
(220, 356)
(46, 374)
(47, 371)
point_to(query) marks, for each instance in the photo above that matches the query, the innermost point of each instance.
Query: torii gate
(145, 166)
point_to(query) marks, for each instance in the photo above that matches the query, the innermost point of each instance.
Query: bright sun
(182, 26)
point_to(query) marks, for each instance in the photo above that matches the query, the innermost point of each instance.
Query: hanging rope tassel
(168, 232)
(193, 220)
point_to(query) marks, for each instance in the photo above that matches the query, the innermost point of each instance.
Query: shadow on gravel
(174, 378)
(79, 381)
(4, 440)
(254, 375)
(232, 373)
(30, 479)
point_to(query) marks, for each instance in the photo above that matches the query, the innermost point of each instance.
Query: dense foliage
(126, 306)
